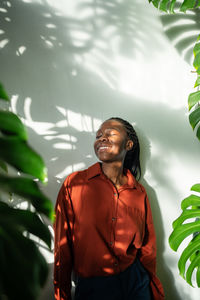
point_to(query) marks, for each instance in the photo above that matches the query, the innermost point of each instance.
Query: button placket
(115, 198)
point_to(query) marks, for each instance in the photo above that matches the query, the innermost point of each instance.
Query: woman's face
(112, 142)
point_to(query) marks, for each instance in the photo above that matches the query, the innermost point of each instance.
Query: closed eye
(98, 136)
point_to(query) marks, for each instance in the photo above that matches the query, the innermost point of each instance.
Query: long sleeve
(63, 250)
(147, 255)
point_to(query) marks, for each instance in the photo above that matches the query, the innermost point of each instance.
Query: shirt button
(115, 194)
(113, 219)
(116, 264)
(111, 243)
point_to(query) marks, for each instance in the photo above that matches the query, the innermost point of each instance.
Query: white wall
(69, 65)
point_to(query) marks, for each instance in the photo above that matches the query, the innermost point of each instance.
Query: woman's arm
(63, 255)
(147, 254)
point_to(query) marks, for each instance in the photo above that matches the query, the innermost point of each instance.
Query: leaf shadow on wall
(183, 29)
(48, 63)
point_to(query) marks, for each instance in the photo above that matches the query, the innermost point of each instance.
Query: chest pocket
(130, 227)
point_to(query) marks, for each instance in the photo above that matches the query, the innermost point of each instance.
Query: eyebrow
(110, 128)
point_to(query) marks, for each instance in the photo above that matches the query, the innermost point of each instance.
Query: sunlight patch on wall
(3, 43)
(3, 10)
(48, 255)
(69, 169)
(64, 172)
(79, 122)
(151, 81)
(29, 1)
(65, 146)
(94, 61)
(41, 128)
(20, 50)
(65, 137)
(77, 167)
(80, 38)
(50, 25)
(66, 7)
(8, 3)
(61, 124)
(13, 101)
(62, 110)
(96, 124)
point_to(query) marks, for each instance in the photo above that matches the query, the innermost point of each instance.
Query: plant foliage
(181, 230)
(169, 5)
(191, 204)
(194, 98)
(23, 268)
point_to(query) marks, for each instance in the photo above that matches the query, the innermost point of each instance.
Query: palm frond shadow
(183, 30)
(99, 27)
(55, 45)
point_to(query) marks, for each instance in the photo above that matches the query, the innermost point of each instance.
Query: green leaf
(3, 166)
(197, 83)
(187, 4)
(189, 250)
(171, 7)
(196, 62)
(10, 124)
(198, 276)
(196, 49)
(24, 220)
(186, 214)
(194, 117)
(22, 260)
(196, 187)
(193, 99)
(181, 232)
(3, 94)
(155, 3)
(195, 239)
(28, 189)
(18, 154)
(163, 5)
(198, 133)
(198, 71)
(195, 263)
(192, 200)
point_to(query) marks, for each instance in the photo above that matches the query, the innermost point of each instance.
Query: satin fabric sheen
(100, 230)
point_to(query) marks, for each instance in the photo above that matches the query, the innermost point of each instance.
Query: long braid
(132, 158)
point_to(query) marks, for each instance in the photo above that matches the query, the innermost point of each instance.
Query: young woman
(104, 230)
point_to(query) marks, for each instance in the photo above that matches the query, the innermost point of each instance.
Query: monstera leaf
(3, 94)
(181, 230)
(23, 268)
(190, 205)
(194, 98)
(168, 5)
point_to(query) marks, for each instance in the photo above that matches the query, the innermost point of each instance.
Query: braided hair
(132, 158)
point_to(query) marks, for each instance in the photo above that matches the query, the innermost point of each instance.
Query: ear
(129, 145)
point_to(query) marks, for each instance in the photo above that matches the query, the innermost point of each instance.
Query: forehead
(112, 124)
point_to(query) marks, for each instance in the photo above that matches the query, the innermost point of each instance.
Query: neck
(114, 171)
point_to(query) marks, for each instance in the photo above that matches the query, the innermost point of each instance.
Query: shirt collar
(95, 170)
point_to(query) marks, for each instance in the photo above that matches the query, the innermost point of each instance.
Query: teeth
(103, 147)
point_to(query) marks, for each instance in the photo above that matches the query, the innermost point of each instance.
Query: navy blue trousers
(131, 284)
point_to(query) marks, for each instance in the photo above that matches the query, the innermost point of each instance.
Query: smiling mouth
(103, 148)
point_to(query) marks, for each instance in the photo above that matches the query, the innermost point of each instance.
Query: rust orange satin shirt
(99, 230)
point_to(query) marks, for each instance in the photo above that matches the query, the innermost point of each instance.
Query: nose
(103, 138)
